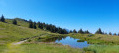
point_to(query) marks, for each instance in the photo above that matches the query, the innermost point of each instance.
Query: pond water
(72, 42)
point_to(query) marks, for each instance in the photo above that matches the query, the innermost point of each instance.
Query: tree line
(99, 31)
(49, 27)
(54, 29)
(80, 31)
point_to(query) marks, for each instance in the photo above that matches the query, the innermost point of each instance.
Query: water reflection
(72, 42)
(67, 40)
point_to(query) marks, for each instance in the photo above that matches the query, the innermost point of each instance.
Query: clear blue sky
(70, 14)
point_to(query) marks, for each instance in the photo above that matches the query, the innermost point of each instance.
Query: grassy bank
(100, 43)
(13, 33)
(103, 48)
(10, 33)
(97, 38)
(48, 48)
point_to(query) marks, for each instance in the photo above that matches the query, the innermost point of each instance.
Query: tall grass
(48, 48)
(103, 48)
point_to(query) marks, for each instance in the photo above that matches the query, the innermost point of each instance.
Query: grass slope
(10, 33)
(97, 38)
(100, 43)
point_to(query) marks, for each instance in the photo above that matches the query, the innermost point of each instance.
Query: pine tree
(74, 31)
(30, 24)
(59, 30)
(110, 33)
(2, 18)
(38, 24)
(115, 34)
(80, 31)
(98, 31)
(70, 31)
(118, 34)
(41, 25)
(15, 22)
(34, 25)
(87, 32)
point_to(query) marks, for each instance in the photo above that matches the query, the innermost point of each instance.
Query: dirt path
(17, 43)
(14, 47)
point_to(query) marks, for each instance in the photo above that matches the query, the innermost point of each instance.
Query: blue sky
(71, 14)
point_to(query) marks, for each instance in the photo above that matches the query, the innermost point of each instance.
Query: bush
(80, 40)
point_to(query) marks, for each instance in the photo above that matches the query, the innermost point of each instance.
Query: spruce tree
(15, 22)
(87, 32)
(30, 24)
(110, 33)
(70, 31)
(74, 31)
(34, 25)
(98, 31)
(118, 34)
(115, 34)
(2, 18)
(59, 30)
(80, 31)
(40, 25)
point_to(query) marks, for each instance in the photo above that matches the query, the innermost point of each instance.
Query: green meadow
(10, 33)
(100, 43)
(37, 40)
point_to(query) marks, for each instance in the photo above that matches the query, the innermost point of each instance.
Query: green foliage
(110, 33)
(115, 34)
(30, 24)
(15, 22)
(70, 31)
(99, 31)
(51, 28)
(34, 25)
(74, 31)
(2, 18)
(80, 40)
(40, 25)
(81, 31)
(87, 32)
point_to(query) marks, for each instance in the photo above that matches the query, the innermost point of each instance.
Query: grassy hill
(10, 33)
(99, 43)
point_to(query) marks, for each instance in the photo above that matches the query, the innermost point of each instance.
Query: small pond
(72, 42)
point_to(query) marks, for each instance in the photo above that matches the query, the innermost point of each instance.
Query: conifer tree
(98, 31)
(70, 31)
(80, 31)
(118, 34)
(34, 25)
(30, 24)
(15, 22)
(59, 30)
(41, 25)
(2, 18)
(110, 33)
(87, 32)
(38, 24)
(115, 34)
(74, 31)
